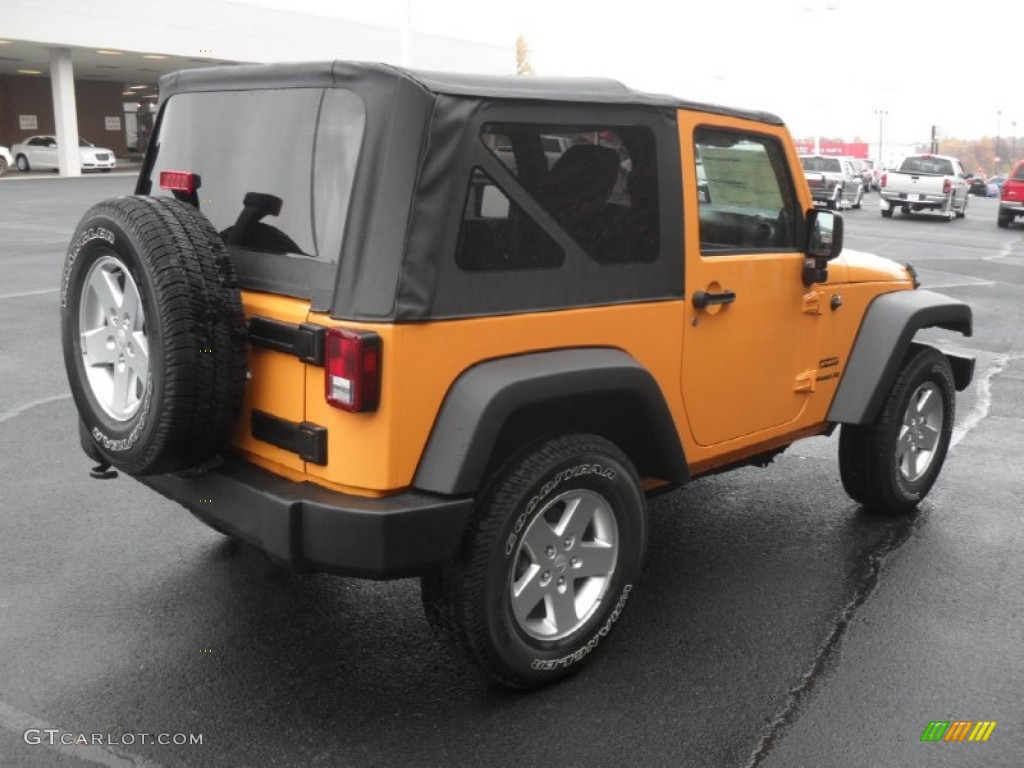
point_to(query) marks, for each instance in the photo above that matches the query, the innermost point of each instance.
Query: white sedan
(40, 152)
(6, 160)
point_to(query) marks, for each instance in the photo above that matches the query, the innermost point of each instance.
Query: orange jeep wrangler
(388, 323)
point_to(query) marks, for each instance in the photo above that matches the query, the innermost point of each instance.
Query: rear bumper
(902, 198)
(306, 527)
(1013, 207)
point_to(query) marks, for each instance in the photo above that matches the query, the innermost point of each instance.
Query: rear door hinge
(305, 341)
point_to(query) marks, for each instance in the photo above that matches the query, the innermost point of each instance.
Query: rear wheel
(963, 209)
(889, 466)
(1003, 220)
(547, 564)
(888, 211)
(857, 199)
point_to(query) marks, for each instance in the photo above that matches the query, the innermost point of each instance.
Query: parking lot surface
(776, 623)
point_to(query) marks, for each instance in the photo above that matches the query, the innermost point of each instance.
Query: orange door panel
(744, 360)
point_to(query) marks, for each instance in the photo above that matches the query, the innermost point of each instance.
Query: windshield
(85, 142)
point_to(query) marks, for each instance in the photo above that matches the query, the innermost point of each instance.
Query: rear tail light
(947, 186)
(885, 178)
(179, 181)
(352, 370)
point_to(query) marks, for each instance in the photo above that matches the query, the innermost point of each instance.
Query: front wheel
(547, 565)
(889, 466)
(22, 162)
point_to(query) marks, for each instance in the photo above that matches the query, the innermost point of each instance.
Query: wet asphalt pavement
(776, 623)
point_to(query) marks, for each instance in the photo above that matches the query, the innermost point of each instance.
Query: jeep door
(747, 340)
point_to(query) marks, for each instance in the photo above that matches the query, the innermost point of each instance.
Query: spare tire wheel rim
(112, 327)
(564, 565)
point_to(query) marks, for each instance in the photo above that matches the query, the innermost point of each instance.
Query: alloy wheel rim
(112, 330)
(920, 432)
(563, 566)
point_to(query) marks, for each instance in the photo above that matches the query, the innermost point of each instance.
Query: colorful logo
(958, 730)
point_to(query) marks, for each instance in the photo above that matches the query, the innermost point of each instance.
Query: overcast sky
(825, 66)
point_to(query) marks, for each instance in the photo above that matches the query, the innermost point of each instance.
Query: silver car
(40, 153)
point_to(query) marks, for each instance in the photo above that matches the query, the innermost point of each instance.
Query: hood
(862, 267)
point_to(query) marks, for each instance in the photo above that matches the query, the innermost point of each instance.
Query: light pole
(1013, 152)
(999, 128)
(881, 116)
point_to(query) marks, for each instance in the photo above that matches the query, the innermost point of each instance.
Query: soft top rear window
(277, 166)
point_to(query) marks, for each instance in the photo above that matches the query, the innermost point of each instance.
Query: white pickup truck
(925, 183)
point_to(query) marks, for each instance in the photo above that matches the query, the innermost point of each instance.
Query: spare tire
(153, 333)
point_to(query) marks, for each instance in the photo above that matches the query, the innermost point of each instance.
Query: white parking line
(20, 409)
(23, 294)
(18, 722)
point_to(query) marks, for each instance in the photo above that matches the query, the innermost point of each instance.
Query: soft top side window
(598, 183)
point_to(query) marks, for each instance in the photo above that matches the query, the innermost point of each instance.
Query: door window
(745, 194)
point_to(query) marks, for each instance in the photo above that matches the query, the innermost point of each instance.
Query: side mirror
(824, 242)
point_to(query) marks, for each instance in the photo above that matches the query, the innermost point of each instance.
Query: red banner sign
(836, 148)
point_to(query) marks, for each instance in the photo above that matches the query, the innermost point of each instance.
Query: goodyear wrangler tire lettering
(548, 565)
(594, 469)
(547, 665)
(147, 284)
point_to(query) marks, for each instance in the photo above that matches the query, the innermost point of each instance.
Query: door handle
(703, 299)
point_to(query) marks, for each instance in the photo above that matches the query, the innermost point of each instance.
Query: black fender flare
(485, 397)
(886, 334)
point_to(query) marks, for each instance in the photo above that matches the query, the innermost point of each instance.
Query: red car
(1011, 198)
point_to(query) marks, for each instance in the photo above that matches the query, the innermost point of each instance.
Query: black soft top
(593, 90)
(421, 146)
